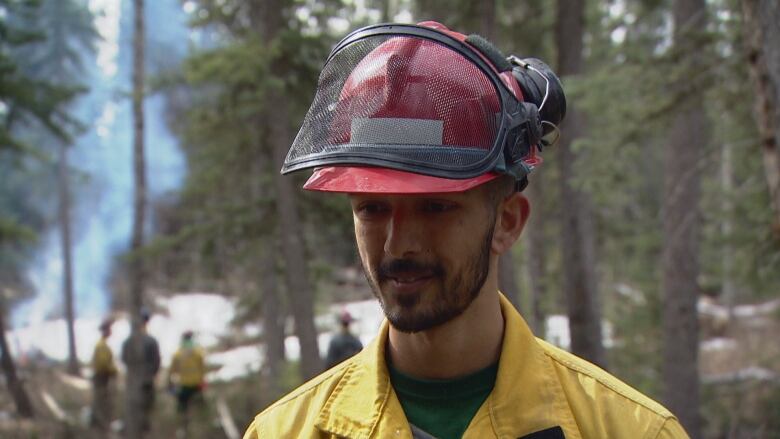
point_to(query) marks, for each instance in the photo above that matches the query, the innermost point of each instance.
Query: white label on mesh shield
(398, 131)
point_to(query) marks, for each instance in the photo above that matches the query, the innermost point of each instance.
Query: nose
(403, 237)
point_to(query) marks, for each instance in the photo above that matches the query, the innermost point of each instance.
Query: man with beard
(432, 135)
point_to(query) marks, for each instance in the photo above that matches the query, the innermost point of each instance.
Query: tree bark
(67, 258)
(681, 224)
(536, 255)
(729, 289)
(507, 280)
(273, 321)
(15, 386)
(385, 8)
(488, 22)
(296, 269)
(270, 288)
(578, 244)
(269, 17)
(762, 41)
(135, 415)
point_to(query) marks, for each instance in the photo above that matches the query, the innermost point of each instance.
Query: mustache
(407, 267)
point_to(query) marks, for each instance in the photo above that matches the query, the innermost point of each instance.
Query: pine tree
(682, 223)
(136, 416)
(60, 58)
(578, 245)
(29, 101)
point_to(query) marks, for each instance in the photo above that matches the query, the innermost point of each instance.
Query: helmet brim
(374, 180)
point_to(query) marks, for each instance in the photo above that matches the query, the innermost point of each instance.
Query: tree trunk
(273, 317)
(729, 289)
(507, 280)
(269, 17)
(296, 269)
(67, 260)
(536, 255)
(488, 19)
(385, 8)
(135, 416)
(436, 10)
(578, 244)
(681, 219)
(273, 321)
(22, 401)
(762, 41)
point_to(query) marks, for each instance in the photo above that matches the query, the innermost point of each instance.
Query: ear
(512, 215)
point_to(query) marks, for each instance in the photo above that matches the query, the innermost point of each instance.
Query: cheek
(369, 243)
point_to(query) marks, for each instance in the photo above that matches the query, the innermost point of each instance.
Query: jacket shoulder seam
(560, 358)
(662, 426)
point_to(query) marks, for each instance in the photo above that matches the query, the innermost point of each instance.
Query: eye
(438, 206)
(369, 209)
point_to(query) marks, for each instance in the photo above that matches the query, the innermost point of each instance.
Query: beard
(452, 293)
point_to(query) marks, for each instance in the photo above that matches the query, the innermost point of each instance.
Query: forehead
(474, 194)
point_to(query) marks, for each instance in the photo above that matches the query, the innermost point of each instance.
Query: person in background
(149, 360)
(343, 345)
(103, 373)
(186, 376)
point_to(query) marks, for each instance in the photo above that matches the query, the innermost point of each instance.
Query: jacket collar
(527, 397)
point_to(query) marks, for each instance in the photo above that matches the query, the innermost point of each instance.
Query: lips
(409, 280)
(408, 284)
(406, 276)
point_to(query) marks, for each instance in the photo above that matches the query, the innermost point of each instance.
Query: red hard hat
(375, 180)
(412, 91)
(345, 317)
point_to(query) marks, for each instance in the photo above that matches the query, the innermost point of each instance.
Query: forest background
(656, 217)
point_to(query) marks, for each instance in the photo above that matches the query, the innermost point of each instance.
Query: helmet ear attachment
(532, 126)
(538, 85)
(542, 87)
(521, 140)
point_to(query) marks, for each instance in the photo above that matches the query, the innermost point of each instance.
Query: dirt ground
(62, 410)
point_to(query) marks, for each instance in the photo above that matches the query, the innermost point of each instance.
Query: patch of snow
(718, 344)
(706, 306)
(745, 374)
(711, 308)
(235, 363)
(207, 315)
(761, 309)
(557, 332)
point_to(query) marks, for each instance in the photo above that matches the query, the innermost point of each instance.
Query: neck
(465, 344)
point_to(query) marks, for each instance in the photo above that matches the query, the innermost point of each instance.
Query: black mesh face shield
(413, 99)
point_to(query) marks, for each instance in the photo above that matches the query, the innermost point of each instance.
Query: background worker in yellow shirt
(103, 372)
(186, 376)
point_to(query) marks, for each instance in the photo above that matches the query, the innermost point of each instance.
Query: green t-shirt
(443, 408)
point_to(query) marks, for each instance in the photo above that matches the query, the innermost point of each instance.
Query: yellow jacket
(539, 387)
(188, 367)
(103, 359)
